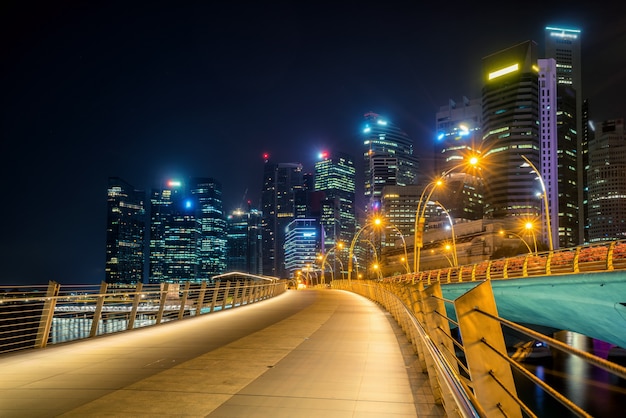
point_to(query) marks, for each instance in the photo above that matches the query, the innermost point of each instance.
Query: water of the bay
(596, 391)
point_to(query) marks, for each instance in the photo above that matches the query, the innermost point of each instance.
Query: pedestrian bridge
(472, 376)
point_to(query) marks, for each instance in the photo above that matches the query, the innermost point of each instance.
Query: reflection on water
(595, 390)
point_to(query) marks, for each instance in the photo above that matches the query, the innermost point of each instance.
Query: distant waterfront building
(302, 244)
(125, 233)
(281, 184)
(389, 158)
(510, 101)
(187, 232)
(607, 182)
(244, 241)
(564, 46)
(335, 180)
(459, 138)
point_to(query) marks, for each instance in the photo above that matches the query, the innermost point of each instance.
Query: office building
(187, 232)
(244, 241)
(459, 138)
(335, 183)
(400, 203)
(389, 158)
(302, 244)
(125, 233)
(207, 196)
(510, 100)
(607, 182)
(281, 183)
(563, 45)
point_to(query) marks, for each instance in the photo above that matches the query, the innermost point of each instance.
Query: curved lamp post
(545, 202)
(455, 258)
(376, 221)
(420, 219)
(325, 262)
(502, 232)
(406, 255)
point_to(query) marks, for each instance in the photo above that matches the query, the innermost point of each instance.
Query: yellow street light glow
(503, 71)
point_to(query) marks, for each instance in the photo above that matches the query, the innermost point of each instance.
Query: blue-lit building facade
(125, 234)
(187, 232)
(301, 247)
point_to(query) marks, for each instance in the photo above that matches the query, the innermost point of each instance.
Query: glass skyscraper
(281, 183)
(510, 99)
(187, 232)
(389, 158)
(459, 137)
(563, 46)
(335, 178)
(607, 182)
(125, 233)
(244, 241)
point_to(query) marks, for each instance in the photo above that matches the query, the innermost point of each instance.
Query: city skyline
(147, 93)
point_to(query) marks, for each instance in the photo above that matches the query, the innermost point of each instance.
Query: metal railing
(35, 316)
(606, 256)
(472, 377)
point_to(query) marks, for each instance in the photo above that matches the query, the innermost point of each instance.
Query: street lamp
(324, 262)
(454, 254)
(529, 226)
(406, 255)
(375, 221)
(420, 219)
(545, 201)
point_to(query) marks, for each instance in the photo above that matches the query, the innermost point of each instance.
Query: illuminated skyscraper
(244, 241)
(206, 195)
(459, 137)
(563, 46)
(125, 233)
(187, 232)
(335, 178)
(510, 100)
(607, 183)
(389, 158)
(281, 184)
(302, 243)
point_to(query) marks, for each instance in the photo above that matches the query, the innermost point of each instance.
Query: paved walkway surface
(310, 353)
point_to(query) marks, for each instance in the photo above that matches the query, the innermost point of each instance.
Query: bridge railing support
(47, 314)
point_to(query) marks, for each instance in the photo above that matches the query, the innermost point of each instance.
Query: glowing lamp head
(323, 155)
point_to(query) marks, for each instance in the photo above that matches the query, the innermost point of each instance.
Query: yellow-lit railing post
(47, 314)
(490, 374)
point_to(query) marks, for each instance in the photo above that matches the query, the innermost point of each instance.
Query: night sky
(152, 90)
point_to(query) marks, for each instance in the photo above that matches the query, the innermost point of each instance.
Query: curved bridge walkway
(307, 353)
